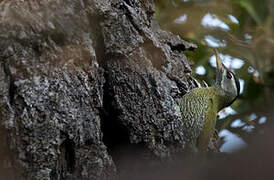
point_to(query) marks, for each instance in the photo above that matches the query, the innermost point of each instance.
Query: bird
(199, 107)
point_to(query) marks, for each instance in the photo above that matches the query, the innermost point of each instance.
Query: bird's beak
(219, 68)
(219, 64)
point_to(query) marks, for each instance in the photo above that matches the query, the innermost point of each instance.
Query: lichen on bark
(72, 69)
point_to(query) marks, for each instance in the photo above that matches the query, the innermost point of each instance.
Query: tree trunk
(80, 78)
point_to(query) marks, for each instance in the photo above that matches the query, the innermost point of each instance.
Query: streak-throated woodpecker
(199, 107)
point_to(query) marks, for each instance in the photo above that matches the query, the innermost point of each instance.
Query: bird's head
(226, 80)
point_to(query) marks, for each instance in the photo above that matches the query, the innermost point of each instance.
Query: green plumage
(200, 106)
(199, 110)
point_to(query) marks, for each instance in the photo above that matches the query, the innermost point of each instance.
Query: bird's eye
(228, 75)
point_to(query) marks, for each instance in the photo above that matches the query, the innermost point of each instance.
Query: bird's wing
(195, 110)
(208, 125)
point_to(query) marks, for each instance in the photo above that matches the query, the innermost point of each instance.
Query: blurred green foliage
(242, 29)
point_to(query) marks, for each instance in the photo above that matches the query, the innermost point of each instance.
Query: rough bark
(78, 78)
